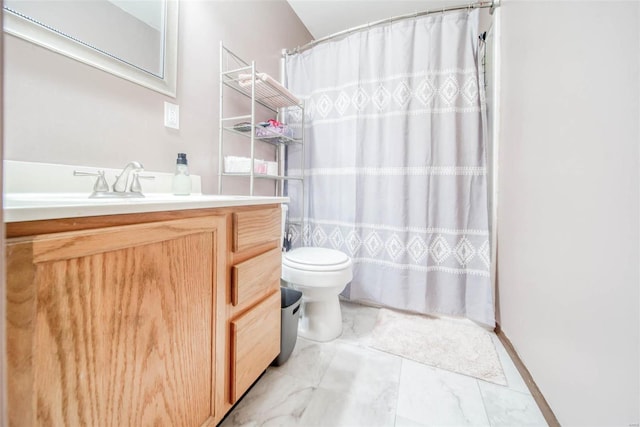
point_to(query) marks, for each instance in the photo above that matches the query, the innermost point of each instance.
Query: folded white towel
(244, 80)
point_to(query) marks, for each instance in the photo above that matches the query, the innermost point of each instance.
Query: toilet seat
(317, 267)
(316, 259)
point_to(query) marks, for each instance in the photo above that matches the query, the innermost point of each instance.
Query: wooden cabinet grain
(256, 277)
(114, 326)
(249, 319)
(251, 228)
(255, 342)
(141, 319)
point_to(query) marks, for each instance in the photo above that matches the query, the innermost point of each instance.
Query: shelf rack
(269, 97)
(259, 86)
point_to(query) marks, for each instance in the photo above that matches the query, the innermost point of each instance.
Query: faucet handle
(101, 185)
(135, 184)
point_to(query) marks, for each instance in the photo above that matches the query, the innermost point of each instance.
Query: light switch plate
(171, 115)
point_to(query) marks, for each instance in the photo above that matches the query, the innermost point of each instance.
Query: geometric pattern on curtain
(395, 162)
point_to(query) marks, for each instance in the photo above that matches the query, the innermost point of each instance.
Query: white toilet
(320, 274)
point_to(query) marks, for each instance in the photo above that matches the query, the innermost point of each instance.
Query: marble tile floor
(347, 383)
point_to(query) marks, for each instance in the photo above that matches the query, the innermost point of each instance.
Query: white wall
(568, 278)
(61, 111)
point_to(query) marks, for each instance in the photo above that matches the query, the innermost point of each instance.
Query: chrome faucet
(125, 185)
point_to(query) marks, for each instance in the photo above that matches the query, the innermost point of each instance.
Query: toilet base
(320, 320)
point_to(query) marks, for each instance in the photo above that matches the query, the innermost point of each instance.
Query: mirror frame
(26, 29)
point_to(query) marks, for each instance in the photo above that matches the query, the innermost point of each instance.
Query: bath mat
(446, 344)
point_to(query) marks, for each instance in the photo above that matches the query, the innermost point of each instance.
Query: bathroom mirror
(133, 39)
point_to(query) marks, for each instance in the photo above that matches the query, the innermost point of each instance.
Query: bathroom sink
(62, 191)
(43, 206)
(52, 199)
(83, 199)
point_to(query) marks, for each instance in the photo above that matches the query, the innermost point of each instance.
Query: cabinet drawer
(255, 342)
(255, 277)
(253, 228)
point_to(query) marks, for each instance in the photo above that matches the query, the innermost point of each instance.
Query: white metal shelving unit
(265, 96)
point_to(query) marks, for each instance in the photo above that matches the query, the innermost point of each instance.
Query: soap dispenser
(181, 179)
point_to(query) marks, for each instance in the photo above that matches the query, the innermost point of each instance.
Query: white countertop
(42, 206)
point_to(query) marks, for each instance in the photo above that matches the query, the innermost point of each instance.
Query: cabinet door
(122, 326)
(255, 342)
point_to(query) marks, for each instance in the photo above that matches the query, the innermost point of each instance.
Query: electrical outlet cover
(171, 115)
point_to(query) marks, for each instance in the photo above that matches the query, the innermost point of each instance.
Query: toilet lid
(316, 257)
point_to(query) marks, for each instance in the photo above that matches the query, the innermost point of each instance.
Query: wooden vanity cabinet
(164, 318)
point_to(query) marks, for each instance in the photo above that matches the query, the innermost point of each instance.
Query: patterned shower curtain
(395, 163)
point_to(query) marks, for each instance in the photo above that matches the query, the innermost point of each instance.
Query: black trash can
(289, 315)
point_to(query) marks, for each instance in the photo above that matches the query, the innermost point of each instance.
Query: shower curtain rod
(492, 4)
